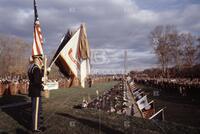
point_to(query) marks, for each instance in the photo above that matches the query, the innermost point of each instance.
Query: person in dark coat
(35, 74)
(90, 82)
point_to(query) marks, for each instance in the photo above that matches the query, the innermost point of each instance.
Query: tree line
(13, 55)
(174, 50)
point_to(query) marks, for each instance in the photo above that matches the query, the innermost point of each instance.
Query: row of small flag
(146, 108)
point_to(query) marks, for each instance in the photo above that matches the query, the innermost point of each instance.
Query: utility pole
(125, 62)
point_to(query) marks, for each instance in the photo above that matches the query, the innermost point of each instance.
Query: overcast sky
(113, 26)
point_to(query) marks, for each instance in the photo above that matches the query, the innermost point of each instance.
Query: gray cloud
(111, 24)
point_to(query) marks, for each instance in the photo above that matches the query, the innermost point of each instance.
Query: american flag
(37, 35)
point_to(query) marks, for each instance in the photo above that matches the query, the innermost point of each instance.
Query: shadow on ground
(21, 114)
(21, 131)
(92, 124)
(9, 99)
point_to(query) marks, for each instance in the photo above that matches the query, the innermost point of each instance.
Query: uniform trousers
(37, 115)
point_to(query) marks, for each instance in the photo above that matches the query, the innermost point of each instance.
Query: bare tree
(173, 48)
(160, 39)
(176, 49)
(189, 53)
(198, 50)
(13, 55)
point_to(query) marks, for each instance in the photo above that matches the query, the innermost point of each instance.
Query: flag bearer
(35, 74)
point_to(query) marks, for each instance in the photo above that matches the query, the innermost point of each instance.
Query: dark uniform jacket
(35, 75)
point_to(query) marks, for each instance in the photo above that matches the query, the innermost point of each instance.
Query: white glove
(43, 79)
(45, 87)
(48, 69)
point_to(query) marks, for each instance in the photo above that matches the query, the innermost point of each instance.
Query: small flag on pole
(142, 103)
(149, 110)
(160, 116)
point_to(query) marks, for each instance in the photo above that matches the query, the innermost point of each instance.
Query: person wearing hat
(35, 74)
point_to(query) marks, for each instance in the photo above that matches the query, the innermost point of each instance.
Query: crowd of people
(12, 85)
(183, 87)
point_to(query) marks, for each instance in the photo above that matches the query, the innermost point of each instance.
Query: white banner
(69, 54)
(142, 103)
(51, 86)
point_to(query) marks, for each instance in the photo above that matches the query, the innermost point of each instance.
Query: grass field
(62, 118)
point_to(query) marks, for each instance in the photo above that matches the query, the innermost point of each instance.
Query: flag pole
(54, 60)
(51, 64)
(45, 69)
(46, 91)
